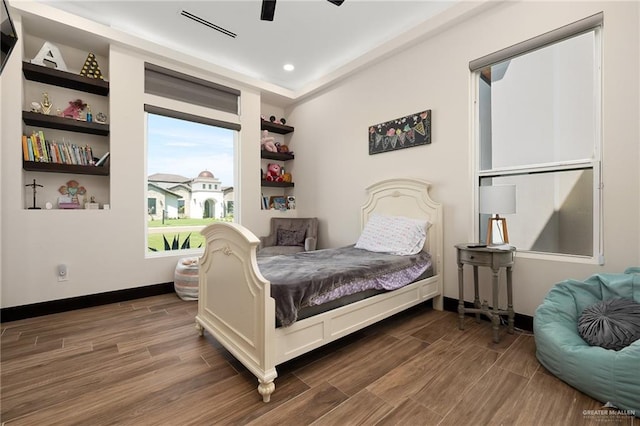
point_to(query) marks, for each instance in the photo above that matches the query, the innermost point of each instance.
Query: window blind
(182, 87)
(554, 36)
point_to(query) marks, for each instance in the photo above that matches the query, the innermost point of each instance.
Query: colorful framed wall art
(405, 132)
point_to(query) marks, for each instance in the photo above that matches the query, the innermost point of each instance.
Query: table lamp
(497, 199)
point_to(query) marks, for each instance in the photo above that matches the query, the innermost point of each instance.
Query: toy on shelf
(36, 107)
(282, 148)
(281, 121)
(291, 202)
(273, 172)
(74, 109)
(268, 142)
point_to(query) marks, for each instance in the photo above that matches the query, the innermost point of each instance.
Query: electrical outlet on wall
(63, 272)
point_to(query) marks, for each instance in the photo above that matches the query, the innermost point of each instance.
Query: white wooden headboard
(410, 198)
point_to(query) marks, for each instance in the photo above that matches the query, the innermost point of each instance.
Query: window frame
(595, 163)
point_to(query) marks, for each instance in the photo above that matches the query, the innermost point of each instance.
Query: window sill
(558, 257)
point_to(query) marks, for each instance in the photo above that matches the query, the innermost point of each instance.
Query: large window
(192, 129)
(190, 172)
(538, 127)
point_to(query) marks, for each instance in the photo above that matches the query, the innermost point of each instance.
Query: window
(538, 127)
(180, 155)
(192, 129)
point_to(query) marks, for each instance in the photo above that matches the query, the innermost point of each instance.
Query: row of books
(36, 148)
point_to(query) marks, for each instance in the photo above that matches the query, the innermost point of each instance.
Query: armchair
(289, 236)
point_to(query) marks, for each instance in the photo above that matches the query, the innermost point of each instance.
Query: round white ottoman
(185, 280)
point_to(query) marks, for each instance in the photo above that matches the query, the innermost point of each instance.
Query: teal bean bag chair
(609, 376)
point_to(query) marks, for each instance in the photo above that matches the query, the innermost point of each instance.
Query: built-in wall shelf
(276, 127)
(278, 156)
(273, 184)
(37, 119)
(64, 79)
(36, 166)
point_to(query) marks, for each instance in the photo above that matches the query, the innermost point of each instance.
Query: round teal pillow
(611, 324)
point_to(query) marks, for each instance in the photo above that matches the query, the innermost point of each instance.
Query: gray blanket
(299, 278)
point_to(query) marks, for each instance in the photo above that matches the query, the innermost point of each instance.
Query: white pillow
(393, 234)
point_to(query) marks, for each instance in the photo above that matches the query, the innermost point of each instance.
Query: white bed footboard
(235, 303)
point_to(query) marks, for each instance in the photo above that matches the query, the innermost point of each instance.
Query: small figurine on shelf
(291, 202)
(101, 118)
(74, 109)
(34, 187)
(89, 114)
(36, 107)
(46, 103)
(92, 204)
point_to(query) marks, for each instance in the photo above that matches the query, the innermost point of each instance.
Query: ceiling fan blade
(336, 2)
(268, 10)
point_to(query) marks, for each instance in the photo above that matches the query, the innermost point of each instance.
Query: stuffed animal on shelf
(274, 120)
(268, 142)
(283, 148)
(273, 173)
(74, 109)
(286, 177)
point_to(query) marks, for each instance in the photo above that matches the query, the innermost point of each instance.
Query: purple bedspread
(315, 277)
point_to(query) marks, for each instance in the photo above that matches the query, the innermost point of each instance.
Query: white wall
(331, 136)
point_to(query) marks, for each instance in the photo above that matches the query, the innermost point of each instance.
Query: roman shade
(182, 87)
(551, 37)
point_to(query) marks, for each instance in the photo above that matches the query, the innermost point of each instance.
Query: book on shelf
(103, 159)
(25, 148)
(36, 148)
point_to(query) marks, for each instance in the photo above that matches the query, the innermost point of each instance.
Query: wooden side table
(495, 259)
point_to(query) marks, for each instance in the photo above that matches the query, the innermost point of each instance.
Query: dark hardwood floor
(143, 363)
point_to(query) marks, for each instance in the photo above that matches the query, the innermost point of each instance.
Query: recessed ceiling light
(288, 67)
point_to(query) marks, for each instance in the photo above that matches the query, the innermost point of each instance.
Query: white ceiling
(315, 36)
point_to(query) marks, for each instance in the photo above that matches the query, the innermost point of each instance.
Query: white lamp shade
(498, 199)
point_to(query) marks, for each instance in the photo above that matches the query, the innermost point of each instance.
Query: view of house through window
(190, 181)
(539, 129)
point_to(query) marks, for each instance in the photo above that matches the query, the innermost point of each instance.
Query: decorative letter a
(50, 56)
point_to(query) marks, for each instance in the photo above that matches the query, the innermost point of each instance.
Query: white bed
(235, 305)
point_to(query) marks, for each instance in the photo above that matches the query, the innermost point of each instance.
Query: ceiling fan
(269, 8)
